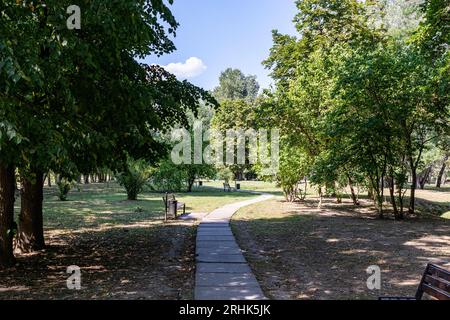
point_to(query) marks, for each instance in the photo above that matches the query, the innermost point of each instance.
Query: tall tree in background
(302, 68)
(235, 85)
(357, 98)
(236, 115)
(237, 95)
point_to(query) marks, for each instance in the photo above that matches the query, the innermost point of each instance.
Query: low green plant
(64, 187)
(134, 178)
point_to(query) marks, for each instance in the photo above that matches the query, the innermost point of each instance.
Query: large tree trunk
(7, 193)
(370, 194)
(31, 225)
(441, 173)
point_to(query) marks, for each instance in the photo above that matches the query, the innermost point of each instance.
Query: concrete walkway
(222, 271)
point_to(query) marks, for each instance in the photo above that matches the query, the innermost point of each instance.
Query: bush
(226, 174)
(64, 187)
(134, 178)
(169, 177)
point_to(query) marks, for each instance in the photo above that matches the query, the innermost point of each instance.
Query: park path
(222, 271)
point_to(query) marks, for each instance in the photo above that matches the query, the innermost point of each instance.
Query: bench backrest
(168, 197)
(435, 282)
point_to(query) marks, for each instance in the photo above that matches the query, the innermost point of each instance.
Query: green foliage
(294, 167)
(50, 82)
(433, 35)
(356, 102)
(198, 123)
(235, 85)
(225, 174)
(64, 186)
(399, 18)
(135, 177)
(236, 115)
(168, 177)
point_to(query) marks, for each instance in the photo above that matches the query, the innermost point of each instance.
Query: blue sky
(225, 33)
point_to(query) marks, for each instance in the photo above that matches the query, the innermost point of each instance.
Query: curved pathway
(222, 271)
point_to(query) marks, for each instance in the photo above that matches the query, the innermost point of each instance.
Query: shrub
(169, 177)
(134, 178)
(64, 187)
(226, 174)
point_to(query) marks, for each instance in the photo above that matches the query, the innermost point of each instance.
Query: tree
(225, 174)
(433, 34)
(134, 177)
(198, 125)
(236, 115)
(168, 177)
(7, 177)
(303, 70)
(64, 185)
(295, 166)
(385, 89)
(399, 18)
(82, 92)
(359, 100)
(235, 85)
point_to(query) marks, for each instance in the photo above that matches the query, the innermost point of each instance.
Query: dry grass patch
(301, 252)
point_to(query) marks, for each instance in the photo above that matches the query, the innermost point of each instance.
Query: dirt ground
(142, 262)
(124, 248)
(298, 251)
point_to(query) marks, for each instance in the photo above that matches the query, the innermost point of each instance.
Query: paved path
(222, 271)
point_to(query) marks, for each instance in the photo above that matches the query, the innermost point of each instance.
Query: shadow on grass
(124, 249)
(97, 205)
(320, 254)
(436, 209)
(150, 262)
(445, 188)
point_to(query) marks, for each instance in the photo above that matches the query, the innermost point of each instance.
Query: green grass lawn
(260, 186)
(95, 205)
(124, 248)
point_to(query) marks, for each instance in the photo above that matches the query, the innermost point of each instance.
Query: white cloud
(193, 67)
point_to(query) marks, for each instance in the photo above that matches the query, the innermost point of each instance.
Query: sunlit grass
(260, 186)
(106, 205)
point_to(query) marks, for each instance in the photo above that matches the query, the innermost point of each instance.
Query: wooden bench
(170, 198)
(435, 283)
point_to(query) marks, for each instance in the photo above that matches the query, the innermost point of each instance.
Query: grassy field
(260, 186)
(104, 206)
(429, 201)
(124, 249)
(301, 252)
